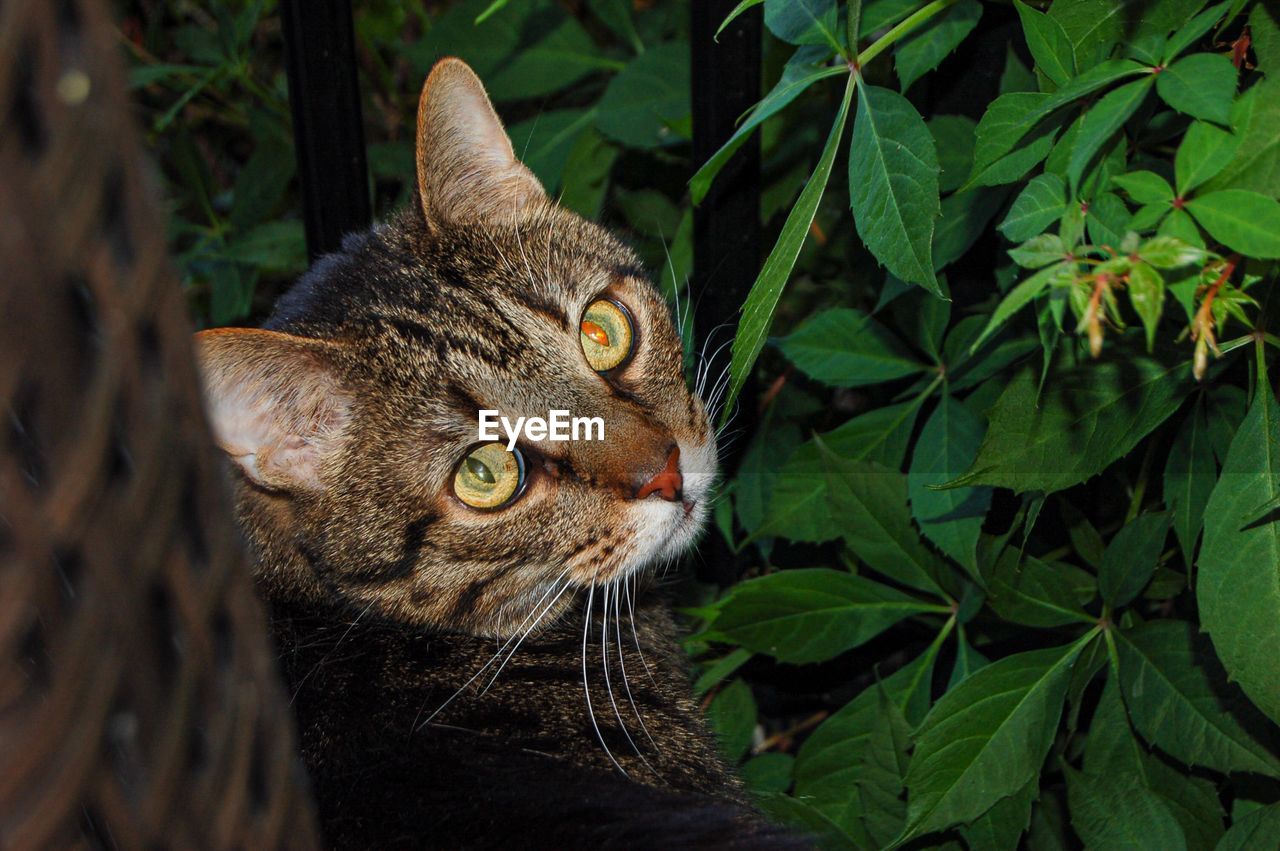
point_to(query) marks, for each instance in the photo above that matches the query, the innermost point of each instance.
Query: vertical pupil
(595, 333)
(480, 470)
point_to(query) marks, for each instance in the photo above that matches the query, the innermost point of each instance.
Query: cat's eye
(489, 476)
(606, 334)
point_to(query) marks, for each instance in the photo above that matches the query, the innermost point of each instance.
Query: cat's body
(520, 766)
(455, 618)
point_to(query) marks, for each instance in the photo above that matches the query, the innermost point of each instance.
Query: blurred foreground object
(139, 703)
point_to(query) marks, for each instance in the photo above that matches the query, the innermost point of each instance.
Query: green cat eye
(489, 477)
(606, 334)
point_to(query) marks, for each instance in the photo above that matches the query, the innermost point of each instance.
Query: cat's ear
(467, 170)
(276, 402)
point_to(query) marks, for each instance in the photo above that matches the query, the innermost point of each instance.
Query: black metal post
(328, 130)
(726, 226)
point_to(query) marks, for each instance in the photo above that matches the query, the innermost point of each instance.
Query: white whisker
(586, 689)
(631, 609)
(494, 658)
(622, 664)
(526, 634)
(608, 685)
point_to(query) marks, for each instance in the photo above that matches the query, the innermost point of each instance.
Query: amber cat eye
(606, 334)
(489, 476)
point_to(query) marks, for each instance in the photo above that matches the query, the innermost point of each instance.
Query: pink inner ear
(276, 405)
(467, 170)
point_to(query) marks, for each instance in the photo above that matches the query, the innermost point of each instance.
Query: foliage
(1008, 509)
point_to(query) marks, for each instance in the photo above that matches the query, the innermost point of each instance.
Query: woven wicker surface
(139, 705)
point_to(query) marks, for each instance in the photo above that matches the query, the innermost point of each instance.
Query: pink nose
(666, 484)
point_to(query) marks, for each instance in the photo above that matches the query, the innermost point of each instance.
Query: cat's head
(353, 417)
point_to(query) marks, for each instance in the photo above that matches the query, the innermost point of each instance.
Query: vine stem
(906, 27)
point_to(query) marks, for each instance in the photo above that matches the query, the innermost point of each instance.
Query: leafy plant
(1008, 508)
(1086, 676)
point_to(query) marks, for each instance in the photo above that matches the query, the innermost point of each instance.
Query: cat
(474, 656)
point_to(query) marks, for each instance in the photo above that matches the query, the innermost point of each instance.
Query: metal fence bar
(328, 129)
(726, 226)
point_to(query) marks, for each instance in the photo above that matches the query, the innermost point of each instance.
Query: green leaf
(1146, 294)
(800, 505)
(1238, 586)
(893, 185)
(803, 21)
(1168, 252)
(1023, 294)
(1048, 44)
(846, 348)
(586, 174)
(647, 103)
(1180, 701)
(1201, 85)
(272, 247)
(544, 142)
(1024, 590)
(523, 53)
(1256, 830)
(810, 614)
(953, 140)
(1190, 32)
(616, 15)
(952, 519)
(1256, 164)
(868, 502)
(1102, 120)
(787, 809)
(968, 660)
(922, 50)
(732, 716)
(1015, 77)
(881, 14)
(1112, 813)
(805, 67)
(737, 10)
(1243, 221)
(717, 671)
(1264, 26)
(883, 769)
(827, 764)
(767, 773)
(1000, 828)
(879, 435)
(1107, 219)
(757, 311)
(1130, 558)
(1113, 749)
(1043, 250)
(1093, 27)
(1204, 152)
(1145, 187)
(1086, 418)
(758, 471)
(1007, 120)
(1041, 203)
(986, 739)
(1189, 476)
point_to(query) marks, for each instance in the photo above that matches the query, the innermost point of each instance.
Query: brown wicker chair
(139, 701)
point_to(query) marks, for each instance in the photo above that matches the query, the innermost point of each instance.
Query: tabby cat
(471, 655)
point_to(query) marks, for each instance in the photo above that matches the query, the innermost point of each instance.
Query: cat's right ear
(276, 402)
(467, 170)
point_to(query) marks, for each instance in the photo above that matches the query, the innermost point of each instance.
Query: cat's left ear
(277, 403)
(467, 169)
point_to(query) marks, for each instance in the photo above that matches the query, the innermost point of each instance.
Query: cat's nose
(668, 483)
